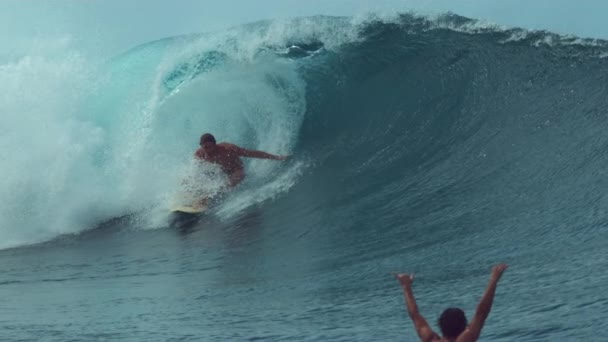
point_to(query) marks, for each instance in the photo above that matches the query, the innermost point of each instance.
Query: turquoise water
(436, 146)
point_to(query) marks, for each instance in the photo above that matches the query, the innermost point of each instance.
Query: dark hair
(452, 322)
(207, 137)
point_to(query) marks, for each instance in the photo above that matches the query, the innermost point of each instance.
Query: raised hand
(498, 270)
(405, 279)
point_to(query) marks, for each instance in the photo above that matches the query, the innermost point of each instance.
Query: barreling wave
(401, 120)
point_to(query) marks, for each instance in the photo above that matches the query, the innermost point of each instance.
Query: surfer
(452, 321)
(228, 157)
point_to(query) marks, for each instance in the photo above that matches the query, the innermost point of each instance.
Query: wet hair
(207, 137)
(452, 322)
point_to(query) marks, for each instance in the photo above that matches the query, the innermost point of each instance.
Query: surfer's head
(208, 142)
(452, 322)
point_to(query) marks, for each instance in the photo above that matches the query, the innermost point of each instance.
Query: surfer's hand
(497, 271)
(283, 157)
(405, 279)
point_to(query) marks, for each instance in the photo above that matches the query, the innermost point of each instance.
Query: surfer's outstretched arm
(243, 152)
(422, 327)
(473, 332)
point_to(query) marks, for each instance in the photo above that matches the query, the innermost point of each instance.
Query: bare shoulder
(233, 148)
(427, 334)
(227, 145)
(467, 336)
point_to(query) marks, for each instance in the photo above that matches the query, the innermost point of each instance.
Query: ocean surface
(434, 145)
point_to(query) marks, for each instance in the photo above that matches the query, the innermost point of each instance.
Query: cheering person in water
(452, 322)
(228, 157)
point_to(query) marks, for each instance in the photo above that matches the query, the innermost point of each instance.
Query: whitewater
(437, 145)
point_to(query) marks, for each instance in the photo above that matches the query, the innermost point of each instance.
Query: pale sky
(108, 27)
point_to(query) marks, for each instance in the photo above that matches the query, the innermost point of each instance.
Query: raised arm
(242, 152)
(483, 308)
(422, 327)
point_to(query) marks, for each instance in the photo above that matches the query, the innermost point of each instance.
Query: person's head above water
(207, 138)
(207, 142)
(452, 322)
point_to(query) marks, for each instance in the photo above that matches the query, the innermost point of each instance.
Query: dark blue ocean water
(439, 147)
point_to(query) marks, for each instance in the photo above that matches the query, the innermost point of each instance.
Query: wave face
(436, 145)
(464, 131)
